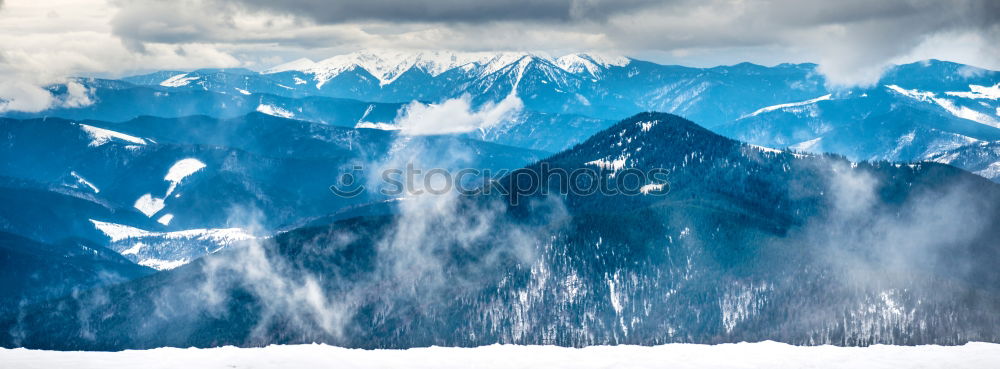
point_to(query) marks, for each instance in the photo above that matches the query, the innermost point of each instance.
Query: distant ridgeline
(751, 243)
(931, 110)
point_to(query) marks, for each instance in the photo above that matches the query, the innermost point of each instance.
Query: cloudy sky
(43, 41)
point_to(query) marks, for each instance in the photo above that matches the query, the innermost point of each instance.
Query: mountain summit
(388, 65)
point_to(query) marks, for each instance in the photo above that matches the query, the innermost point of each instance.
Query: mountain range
(197, 208)
(915, 112)
(749, 244)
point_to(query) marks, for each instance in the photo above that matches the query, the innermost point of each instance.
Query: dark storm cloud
(642, 23)
(181, 21)
(852, 40)
(976, 13)
(447, 10)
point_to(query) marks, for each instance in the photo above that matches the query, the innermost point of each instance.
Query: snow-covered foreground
(741, 355)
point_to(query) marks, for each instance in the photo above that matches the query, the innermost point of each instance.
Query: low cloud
(416, 254)
(77, 96)
(455, 116)
(26, 97)
(875, 244)
(288, 295)
(414, 259)
(21, 96)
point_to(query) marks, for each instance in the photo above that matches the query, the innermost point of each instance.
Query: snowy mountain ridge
(387, 65)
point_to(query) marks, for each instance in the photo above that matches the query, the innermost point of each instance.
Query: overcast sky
(42, 41)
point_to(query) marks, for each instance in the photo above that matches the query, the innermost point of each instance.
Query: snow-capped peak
(590, 63)
(495, 62)
(388, 65)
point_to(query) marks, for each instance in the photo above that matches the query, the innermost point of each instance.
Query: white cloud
(42, 43)
(976, 49)
(21, 96)
(77, 95)
(455, 116)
